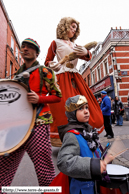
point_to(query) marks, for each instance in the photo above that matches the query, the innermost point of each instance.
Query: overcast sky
(38, 19)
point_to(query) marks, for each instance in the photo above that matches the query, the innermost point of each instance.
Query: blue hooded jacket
(106, 106)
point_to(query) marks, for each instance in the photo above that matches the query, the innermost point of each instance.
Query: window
(99, 73)
(16, 53)
(93, 78)
(11, 68)
(12, 44)
(105, 67)
(88, 77)
(97, 52)
(20, 60)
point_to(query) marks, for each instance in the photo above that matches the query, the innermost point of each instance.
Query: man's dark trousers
(107, 125)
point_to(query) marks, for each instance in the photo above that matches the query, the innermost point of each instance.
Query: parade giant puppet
(70, 81)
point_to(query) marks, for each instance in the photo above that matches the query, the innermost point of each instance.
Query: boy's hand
(102, 166)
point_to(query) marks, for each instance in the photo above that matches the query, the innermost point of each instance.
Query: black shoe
(105, 135)
(109, 137)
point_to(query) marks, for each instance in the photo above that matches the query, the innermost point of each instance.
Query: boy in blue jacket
(77, 157)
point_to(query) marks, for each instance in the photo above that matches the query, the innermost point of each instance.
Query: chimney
(116, 28)
(120, 27)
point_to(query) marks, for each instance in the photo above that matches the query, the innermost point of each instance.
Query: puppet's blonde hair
(64, 26)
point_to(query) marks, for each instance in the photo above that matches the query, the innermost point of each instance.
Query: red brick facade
(3, 41)
(10, 59)
(111, 61)
(87, 76)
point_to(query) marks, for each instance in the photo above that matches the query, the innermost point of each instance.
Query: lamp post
(128, 99)
(115, 82)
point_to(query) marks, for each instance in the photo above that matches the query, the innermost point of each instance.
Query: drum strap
(41, 81)
(41, 78)
(19, 76)
(28, 70)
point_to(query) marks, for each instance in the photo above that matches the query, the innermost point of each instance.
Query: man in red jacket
(42, 81)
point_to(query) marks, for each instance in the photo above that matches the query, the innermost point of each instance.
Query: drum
(119, 184)
(17, 116)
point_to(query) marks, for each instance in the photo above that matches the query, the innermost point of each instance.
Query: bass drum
(119, 183)
(17, 115)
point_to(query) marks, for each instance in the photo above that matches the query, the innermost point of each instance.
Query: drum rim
(31, 125)
(18, 82)
(120, 175)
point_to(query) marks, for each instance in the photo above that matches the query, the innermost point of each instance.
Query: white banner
(37, 189)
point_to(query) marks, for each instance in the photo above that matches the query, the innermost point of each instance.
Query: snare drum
(119, 176)
(17, 115)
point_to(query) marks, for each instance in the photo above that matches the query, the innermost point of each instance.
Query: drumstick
(115, 150)
(110, 157)
(26, 76)
(120, 153)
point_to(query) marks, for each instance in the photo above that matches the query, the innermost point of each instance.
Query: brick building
(10, 57)
(109, 67)
(85, 68)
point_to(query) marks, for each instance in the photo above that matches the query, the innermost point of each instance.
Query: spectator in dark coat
(118, 108)
(99, 100)
(106, 110)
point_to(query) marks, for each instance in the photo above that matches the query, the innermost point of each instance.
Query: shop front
(106, 84)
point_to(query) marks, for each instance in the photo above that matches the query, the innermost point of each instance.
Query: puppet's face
(83, 114)
(73, 28)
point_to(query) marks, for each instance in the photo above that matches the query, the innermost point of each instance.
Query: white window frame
(12, 43)
(17, 52)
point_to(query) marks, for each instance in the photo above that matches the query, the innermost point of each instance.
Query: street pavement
(121, 132)
(26, 176)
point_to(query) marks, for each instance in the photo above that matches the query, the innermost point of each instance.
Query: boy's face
(83, 114)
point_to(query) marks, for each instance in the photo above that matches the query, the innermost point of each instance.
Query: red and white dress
(71, 83)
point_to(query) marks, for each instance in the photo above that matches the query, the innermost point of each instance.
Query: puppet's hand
(80, 50)
(54, 66)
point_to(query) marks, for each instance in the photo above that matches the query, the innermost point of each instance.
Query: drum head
(16, 116)
(113, 170)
